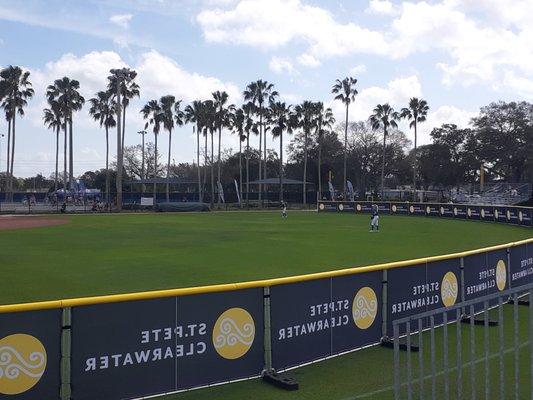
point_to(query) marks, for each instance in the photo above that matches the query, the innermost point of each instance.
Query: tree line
(500, 137)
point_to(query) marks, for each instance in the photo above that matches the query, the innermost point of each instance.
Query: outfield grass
(105, 254)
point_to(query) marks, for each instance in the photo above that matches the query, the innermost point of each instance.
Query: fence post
(267, 334)
(384, 305)
(66, 339)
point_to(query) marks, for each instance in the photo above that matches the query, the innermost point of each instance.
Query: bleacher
(498, 193)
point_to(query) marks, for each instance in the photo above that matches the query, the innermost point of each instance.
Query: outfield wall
(142, 344)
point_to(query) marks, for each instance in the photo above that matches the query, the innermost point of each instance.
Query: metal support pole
(500, 339)
(459, 355)
(384, 310)
(472, 355)
(445, 355)
(396, 343)
(66, 339)
(268, 335)
(486, 345)
(516, 348)
(409, 373)
(433, 367)
(420, 359)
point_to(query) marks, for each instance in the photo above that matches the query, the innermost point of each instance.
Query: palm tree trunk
(305, 169)
(212, 172)
(123, 127)
(264, 150)
(414, 168)
(200, 198)
(260, 157)
(155, 169)
(247, 167)
(120, 154)
(8, 168)
(71, 154)
(281, 167)
(168, 163)
(345, 148)
(65, 161)
(57, 160)
(383, 163)
(218, 161)
(240, 169)
(319, 165)
(13, 137)
(107, 180)
(205, 163)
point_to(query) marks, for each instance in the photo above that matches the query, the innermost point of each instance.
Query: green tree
(53, 119)
(416, 113)
(239, 124)
(324, 122)
(306, 115)
(65, 92)
(193, 114)
(345, 91)
(15, 90)
(222, 120)
(384, 117)
(103, 111)
(151, 112)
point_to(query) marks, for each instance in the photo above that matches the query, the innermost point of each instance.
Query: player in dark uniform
(374, 218)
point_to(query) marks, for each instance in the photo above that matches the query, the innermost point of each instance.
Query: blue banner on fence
(460, 211)
(320, 318)
(417, 209)
(141, 348)
(363, 207)
(485, 273)
(30, 355)
(419, 288)
(326, 206)
(432, 210)
(400, 208)
(525, 217)
(473, 212)
(446, 210)
(512, 215)
(346, 207)
(500, 214)
(487, 213)
(521, 265)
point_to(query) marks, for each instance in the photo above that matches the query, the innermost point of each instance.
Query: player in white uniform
(284, 210)
(374, 218)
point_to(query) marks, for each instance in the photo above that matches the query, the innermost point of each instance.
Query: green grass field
(104, 254)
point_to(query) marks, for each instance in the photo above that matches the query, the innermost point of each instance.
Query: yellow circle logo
(321, 206)
(358, 207)
(520, 216)
(411, 209)
(428, 210)
(469, 212)
(22, 363)
(455, 211)
(482, 213)
(394, 208)
(442, 210)
(364, 308)
(341, 207)
(449, 289)
(508, 214)
(501, 275)
(496, 213)
(234, 333)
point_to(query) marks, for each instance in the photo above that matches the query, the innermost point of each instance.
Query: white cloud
(281, 65)
(121, 20)
(270, 24)
(358, 69)
(384, 7)
(444, 115)
(308, 60)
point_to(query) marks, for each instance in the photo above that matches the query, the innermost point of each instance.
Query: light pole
(143, 176)
(1, 136)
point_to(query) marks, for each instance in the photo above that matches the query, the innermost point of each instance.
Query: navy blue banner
(512, 215)
(400, 208)
(460, 211)
(485, 273)
(500, 214)
(30, 355)
(417, 209)
(320, 318)
(473, 212)
(326, 206)
(521, 265)
(363, 207)
(346, 207)
(446, 210)
(487, 213)
(141, 348)
(525, 217)
(432, 210)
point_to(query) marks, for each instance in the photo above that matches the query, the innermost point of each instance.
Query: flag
(220, 192)
(350, 190)
(237, 190)
(331, 190)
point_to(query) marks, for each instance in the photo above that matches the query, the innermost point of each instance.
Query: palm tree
(53, 119)
(65, 92)
(282, 118)
(239, 126)
(305, 113)
(415, 113)
(259, 93)
(384, 117)
(152, 113)
(249, 127)
(103, 111)
(193, 114)
(324, 121)
(222, 120)
(345, 92)
(16, 90)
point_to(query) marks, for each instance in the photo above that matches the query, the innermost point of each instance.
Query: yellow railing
(154, 294)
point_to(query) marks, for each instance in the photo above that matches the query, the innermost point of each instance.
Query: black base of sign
(389, 344)
(521, 302)
(281, 381)
(479, 320)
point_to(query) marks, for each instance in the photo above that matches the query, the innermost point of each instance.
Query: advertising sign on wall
(473, 212)
(521, 265)
(525, 217)
(485, 273)
(486, 213)
(500, 214)
(460, 211)
(141, 348)
(346, 207)
(512, 215)
(446, 210)
(400, 208)
(432, 210)
(417, 209)
(30, 355)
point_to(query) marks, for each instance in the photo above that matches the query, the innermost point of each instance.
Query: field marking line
(427, 377)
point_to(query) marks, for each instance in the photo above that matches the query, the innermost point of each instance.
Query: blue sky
(457, 54)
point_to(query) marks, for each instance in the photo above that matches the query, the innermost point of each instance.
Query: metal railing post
(66, 340)
(445, 355)
(432, 351)
(472, 355)
(268, 332)
(420, 359)
(409, 372)
(500, 338)
(384, 310)
(459, 355)
(516, 347)
(486, 345)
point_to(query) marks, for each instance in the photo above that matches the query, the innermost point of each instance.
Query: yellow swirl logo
(234, 333)
(508, 214)
(428, 210)
(394, 208)
(341, 207)
(22, 363)
(358, 207)
(520, 216)
(455, 212)
(501, 275)
(364, 308)
(482, 213)
(411, 209)
(449, 289)
(321, 206)
(442, 211)
(496, 213)
(469, 212)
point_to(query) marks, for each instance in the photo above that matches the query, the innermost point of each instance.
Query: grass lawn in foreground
(107, 254)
